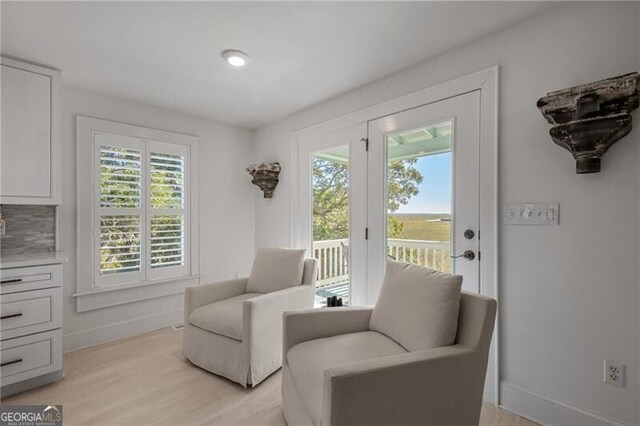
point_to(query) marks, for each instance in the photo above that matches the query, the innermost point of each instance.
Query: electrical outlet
(613, 373)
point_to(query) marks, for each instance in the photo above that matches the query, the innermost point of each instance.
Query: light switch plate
(541, 214)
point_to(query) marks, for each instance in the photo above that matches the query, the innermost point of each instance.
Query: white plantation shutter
(141, 204)
(120, 188)
(167, 241)
(119, 219)
(167, 180)
(120, 248)
(120, 177)
(167, 209)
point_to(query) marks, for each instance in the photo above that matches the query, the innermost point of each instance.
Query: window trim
(148, 285)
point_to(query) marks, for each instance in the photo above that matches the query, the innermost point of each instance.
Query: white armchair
(338, 371)
(233, 329)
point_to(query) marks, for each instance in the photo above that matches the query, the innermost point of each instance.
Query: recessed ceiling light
(237, 58)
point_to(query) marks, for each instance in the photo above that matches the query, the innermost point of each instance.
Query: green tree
(331, 196)
(330, 199)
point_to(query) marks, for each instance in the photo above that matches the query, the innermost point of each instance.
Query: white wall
(569, 294)
(226, 212)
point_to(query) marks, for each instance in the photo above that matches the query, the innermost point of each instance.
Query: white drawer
(31, 278)
(30, 356)
(30, 312)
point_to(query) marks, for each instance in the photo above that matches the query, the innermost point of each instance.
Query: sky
(435, 189)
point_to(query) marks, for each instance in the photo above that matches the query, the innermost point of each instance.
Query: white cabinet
(30, 312)
(30, 327)
(30, 357)
(30, 160)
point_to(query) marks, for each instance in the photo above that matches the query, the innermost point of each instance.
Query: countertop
(32, 259)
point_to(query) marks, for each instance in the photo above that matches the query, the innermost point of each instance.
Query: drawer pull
(15, 361)
(15, 280)
(11, 316)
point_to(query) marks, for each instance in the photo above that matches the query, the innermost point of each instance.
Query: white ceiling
(168, 54)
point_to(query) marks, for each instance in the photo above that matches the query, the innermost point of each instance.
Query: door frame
(486, 81)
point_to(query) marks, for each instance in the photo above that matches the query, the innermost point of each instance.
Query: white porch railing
(332, 262)
(432, 254)
(334, 267)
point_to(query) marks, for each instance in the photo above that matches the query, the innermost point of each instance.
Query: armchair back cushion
(417, 307)
(276, 269)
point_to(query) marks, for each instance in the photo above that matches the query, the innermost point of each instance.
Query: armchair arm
(311, 324)
(437, 386)
(262, 326)
(266, 311)
(200, 295)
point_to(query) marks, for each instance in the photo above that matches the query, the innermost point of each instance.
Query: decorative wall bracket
(588, 119)
(265, 177)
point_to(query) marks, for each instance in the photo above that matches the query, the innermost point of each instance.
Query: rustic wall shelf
(589, 118)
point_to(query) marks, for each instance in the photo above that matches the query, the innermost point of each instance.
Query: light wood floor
(145, 380)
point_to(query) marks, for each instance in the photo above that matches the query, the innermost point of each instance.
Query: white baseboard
(546, 410)
(96, 336)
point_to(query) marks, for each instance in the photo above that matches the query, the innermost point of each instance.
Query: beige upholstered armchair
(387, 365)
(234, 328)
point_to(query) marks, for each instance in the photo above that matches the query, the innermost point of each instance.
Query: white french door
(328, 220)
(404, 187)
(423, 190)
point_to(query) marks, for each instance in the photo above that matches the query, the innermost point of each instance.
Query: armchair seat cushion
(308, 361)
(224, 317)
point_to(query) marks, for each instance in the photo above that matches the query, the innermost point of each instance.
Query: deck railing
(332, 261)
(432, 254)
(334, 266)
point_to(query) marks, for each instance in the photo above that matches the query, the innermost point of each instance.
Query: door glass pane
(330, 216)
(419, 196)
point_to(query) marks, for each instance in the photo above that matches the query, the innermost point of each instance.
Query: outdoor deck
(333, 276)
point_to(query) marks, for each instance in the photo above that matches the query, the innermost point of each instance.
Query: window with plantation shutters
(137, 213)
(141, 214)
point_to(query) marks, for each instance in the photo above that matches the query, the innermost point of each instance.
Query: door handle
(15, 280)
(469, 255)
(15, 361)
(11, 316)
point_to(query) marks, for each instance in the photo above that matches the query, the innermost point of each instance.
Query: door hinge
(366, 233)
(366, 143)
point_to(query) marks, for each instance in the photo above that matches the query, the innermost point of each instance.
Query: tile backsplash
(28, 229)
